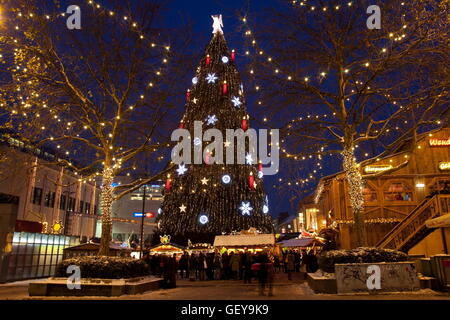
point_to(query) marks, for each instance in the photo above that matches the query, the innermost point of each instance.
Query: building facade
(47, 194)
(44, 208)
(395, 186)
(127, 212)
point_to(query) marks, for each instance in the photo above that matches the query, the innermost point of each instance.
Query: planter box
(320, 284)
(94, 287)
(394, 276)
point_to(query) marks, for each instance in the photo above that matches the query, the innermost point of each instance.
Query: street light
(142, 223)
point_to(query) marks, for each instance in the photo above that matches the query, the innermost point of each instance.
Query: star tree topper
(217, 24)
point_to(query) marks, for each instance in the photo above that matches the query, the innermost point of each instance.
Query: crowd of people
(244, 266)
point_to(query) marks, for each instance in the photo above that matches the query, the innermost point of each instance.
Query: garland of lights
(287, 76)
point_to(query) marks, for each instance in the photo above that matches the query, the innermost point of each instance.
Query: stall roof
(302, 242)
(168, 246)
(244, 240)
(93, 246)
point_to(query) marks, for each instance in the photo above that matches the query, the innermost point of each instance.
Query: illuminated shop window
(398, 191)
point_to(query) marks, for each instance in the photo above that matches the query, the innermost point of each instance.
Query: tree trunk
(106, 197)
(355, 188)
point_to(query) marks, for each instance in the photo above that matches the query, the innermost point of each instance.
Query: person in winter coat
(217, 267)
(312, 265)
(270, 277)
(201, 266)
(171, 272)
(210, 266)
(298, 258)
(234, 264)
(248, 261)
(290, 264)
(183, 263)
(192, 265)
(262, 272)
(226, 266)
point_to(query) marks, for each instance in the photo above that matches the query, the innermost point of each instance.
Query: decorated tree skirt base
(94, 287)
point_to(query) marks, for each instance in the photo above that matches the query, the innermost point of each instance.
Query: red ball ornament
(181, 125)
(252, 181)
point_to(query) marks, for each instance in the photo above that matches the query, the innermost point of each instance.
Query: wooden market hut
(403, 189)
(240, 242)
(91, 249)
(300, 243)
(166, 248)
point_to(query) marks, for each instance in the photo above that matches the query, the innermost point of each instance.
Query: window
(81, 206)
(71, 204)
(370, 194)
(153, 191)
(95, 209)
(87, 208)
(62, 202)
(37, 196)
(49, 199)
(397, 191)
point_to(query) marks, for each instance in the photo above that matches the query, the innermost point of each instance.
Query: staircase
(411, 230)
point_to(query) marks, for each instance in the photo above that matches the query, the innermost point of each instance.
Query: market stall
(166, 248)
(252, 242)
(301, 243)
(197, 248)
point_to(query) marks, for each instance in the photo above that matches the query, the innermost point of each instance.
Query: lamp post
(142, 223)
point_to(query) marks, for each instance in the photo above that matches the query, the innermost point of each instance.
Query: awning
(244, 240)
(439, 222)
(302, 242)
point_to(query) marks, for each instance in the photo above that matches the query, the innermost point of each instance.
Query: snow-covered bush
(328, 259)
(104, 267)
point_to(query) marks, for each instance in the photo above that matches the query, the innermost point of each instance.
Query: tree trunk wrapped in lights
(355, 189)
(106, 200)
(208, 199)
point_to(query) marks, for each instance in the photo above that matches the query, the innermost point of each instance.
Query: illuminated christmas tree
(206, 199)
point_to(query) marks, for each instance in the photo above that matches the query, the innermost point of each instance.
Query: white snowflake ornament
(211, 119)
(245, 208)
(249, 158)
(211, 78)
(236, 101)
(181, 169)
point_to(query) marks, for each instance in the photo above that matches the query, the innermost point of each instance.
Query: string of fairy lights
(70, 126)
(281, 73)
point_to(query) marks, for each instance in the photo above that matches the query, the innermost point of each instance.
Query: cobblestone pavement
(284, 289)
